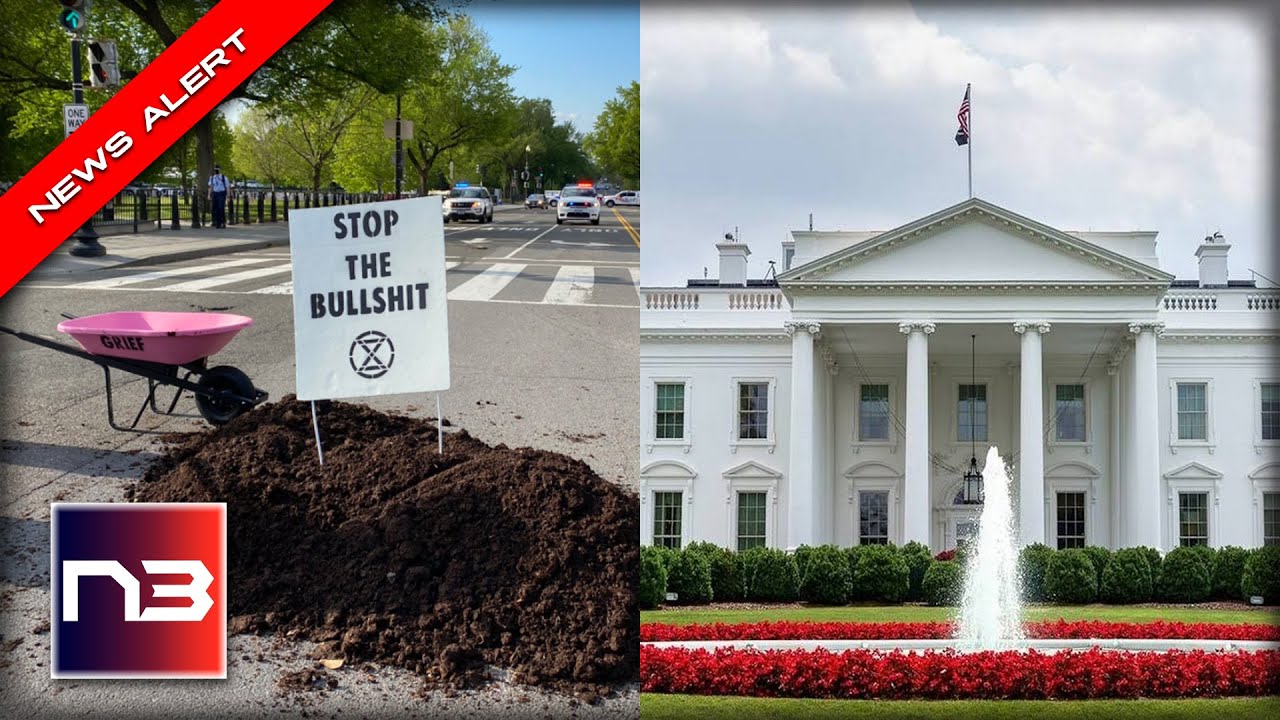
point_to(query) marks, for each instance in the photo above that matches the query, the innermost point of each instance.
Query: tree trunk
(204, 152)
(315, 178)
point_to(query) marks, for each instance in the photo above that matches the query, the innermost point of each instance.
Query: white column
(1031, 434)
(915, 496)
(1115, 493)
(802, 520)
(1142, 494)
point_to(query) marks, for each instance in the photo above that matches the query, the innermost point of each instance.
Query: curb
(197, 253)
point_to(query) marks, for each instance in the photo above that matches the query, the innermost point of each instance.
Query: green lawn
(657, 707)
(913, 613)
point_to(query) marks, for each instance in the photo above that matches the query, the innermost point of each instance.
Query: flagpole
(968, 94)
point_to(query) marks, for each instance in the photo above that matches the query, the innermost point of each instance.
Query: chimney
(1213, 261)
(733, 262)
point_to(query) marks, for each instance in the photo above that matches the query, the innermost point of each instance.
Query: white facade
(1151, 414)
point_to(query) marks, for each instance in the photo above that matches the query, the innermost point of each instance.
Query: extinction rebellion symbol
(371, 354)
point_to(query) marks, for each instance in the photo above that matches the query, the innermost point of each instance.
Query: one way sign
(73, 116)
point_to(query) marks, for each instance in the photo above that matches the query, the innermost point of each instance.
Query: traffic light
(104, 72)
(74, 15)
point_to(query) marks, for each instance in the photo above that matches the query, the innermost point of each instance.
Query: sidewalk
(165, 246)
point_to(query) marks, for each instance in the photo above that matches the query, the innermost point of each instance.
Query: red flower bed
(950, 675)
(1051, 630)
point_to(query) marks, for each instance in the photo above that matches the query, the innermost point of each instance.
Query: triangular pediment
(752, 470)
(1193, 471)
(668, 469)
(979, 244)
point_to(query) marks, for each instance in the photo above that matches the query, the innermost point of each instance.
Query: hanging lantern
(973, 483)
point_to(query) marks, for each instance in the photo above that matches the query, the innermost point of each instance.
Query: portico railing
(1223, 301)
(715, 299)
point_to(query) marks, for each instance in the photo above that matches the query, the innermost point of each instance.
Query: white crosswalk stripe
(483, 281)
(212, 282)
(572, 286)
(488, 283)
(115, 282)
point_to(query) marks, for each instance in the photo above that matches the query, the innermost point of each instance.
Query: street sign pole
(399, 153)
(86, 237)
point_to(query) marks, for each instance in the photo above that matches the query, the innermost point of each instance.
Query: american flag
(962, 135)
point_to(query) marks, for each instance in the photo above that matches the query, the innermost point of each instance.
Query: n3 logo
(138, 590)
(196, 590)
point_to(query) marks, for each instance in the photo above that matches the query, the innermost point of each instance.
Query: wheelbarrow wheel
(215, 408)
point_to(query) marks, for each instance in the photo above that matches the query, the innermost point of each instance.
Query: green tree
(365, 159)
(614, 143)
(466, 99)
(260, 151)
(311, 135)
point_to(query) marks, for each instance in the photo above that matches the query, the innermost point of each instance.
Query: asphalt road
(543, 326)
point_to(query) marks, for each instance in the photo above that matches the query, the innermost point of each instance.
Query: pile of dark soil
(392, 553)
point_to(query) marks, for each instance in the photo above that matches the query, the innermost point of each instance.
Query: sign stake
(439, 427)
(315, 423)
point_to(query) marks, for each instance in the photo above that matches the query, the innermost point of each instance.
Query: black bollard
(261, 200)
(273, 206)
(247, 217)
(173, 211)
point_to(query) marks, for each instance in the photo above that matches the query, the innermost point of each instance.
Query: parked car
(536, 200)
(553, 198)
(626, 197)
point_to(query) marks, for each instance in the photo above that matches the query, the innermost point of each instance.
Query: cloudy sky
(1082, 119)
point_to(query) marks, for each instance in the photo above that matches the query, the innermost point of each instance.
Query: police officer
(218, 193)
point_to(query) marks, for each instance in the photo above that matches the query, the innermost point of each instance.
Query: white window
(873, 517)
(1071, 507)
(1193, 411)
(668, 519)
(874, 417)
(1269, 401)
(669, 411)
(753, 413)
(1069, 412)
(1271, 518)
(1193, 518)
(971, 413)
(753, 515)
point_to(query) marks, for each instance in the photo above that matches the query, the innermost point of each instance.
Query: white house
(841, 403)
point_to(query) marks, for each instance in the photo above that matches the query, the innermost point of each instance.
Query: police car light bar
(584, 184)
(463, 185)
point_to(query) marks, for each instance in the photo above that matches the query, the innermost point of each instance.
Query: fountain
(991, 610)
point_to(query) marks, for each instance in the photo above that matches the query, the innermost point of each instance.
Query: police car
(578, 202)
(626, 197)
(467, 203)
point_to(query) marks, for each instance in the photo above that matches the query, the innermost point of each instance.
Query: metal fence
(170, 209)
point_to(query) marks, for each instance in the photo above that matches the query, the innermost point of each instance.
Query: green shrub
(726, 571)
(1099, 556)
(943, 583)
(1154, 562)
(918, 560)
(881, 574)
(1261, 574)
(1033, 561)
(689, 577)
(771, 575)
(667, 555)
(1184, 576)
(1127, 578)
(851, 555)
(653, 578)
(801, 555)
(1228, 568)
(1070, 578)
(825, 579)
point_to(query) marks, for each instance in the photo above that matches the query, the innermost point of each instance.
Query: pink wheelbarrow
(158, 346)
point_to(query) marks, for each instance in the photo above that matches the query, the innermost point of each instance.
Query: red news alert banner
(148, 115)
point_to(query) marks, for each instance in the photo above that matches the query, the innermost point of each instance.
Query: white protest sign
(73, 116)
(369, 314)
